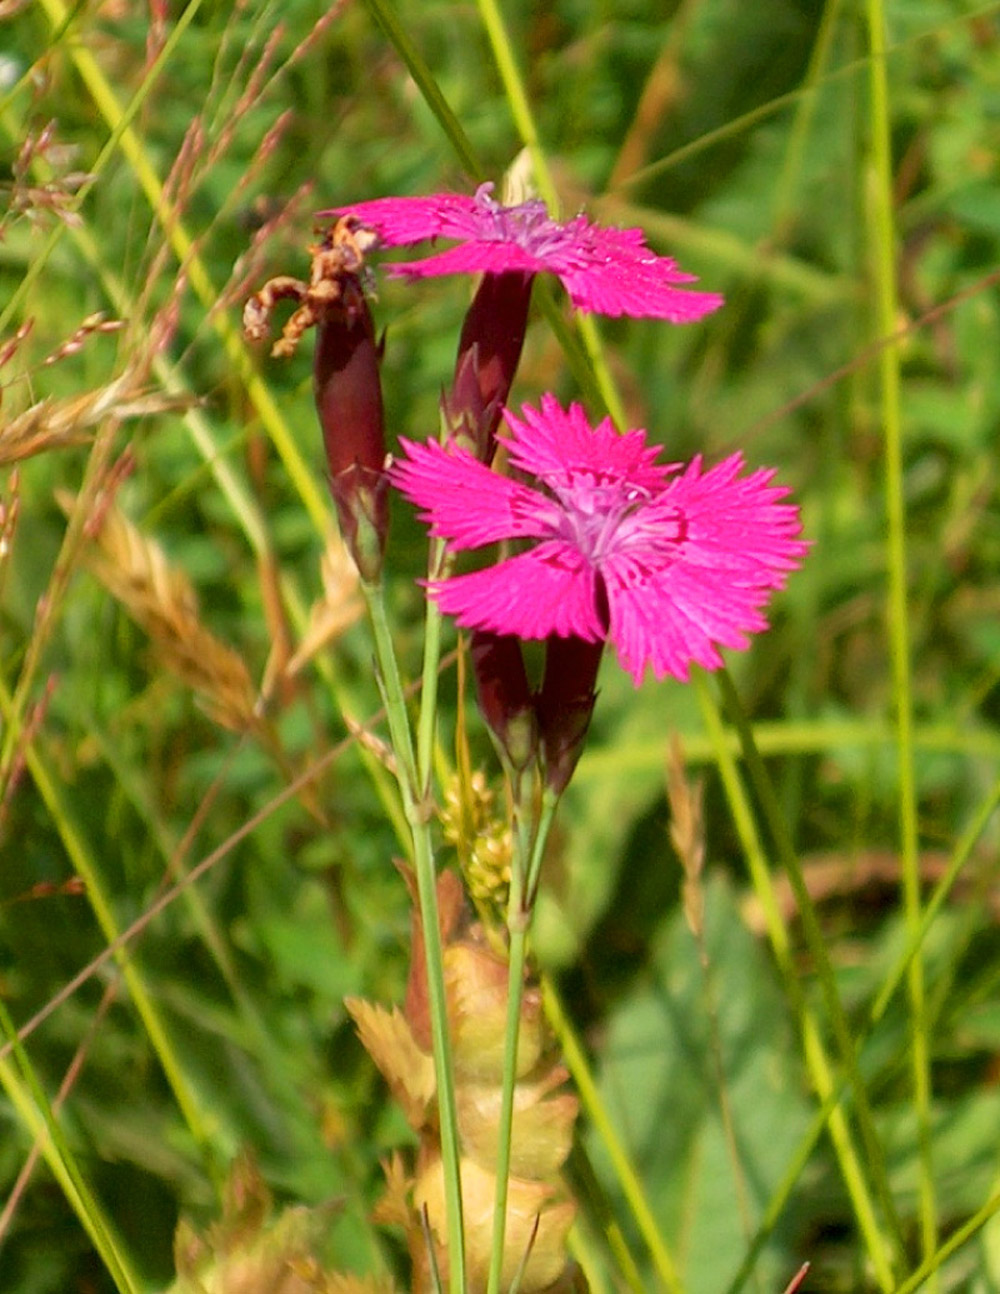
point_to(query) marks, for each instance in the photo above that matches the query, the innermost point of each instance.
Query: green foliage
(744, 139)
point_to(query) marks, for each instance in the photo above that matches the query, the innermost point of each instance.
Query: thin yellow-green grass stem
(891, 983)
(35, 1112)
(960, 855)
(61, 18)
(782, 1193)
(530, 839)
(524, 120)
(423, 77)
(439, 566)
(518, 920)
(584, 1248)
(602, 1220)
(252, 521)
(624, 1169)
(183, 245)
(243, 505)
(822, 737)
(882, 239)
(815, 942)
(792, 166)
(959, 1237)
(817, 1063)
(418, 812)
(84, 864)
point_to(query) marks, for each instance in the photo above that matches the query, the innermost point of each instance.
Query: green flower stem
(518, 925)
(417, 812)
(550, 802)
(518, 921)
(529, 850)
(439, 566)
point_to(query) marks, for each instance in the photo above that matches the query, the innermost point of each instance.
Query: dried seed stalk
(161, 600)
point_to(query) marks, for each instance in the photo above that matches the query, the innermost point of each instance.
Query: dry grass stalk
(161, 600)
(10, 511)
(15, 770)
(687, 832)
(58, 423)
(10, 347)
(58, 195)
(339, 607)
(367, 740)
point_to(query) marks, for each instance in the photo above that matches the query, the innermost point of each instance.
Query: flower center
(527, 225)
(603, 516)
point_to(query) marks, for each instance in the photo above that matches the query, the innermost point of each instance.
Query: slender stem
(524, 119)
(28, 1097)
(125, 140)
(529, 851)
(423, 77)
(879, 204)
(84, 863)
(438, 566)
(417, 811)
(518, 924)
(959, 1237)
(550, 802)
(813, 1050)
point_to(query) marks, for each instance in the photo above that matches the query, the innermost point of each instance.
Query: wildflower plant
(767, 1034)
(668, 563)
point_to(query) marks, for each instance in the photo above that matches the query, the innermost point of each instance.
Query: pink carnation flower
(607, 271)
(667, 565)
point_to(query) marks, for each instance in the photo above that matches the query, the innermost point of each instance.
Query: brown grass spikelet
(13, 344)
(161, 600)
(394, 1207)
(54, 423)
(94, 325)
(388, 1039)
(10, 511)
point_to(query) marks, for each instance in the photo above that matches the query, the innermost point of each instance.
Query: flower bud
(504, 696)
(565, 704)
(488, 353)
(349, 403)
